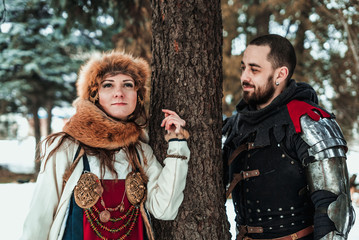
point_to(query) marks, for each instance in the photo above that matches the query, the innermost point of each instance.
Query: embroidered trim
(176, 156)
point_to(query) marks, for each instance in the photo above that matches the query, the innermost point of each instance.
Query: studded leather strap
(244, 229)
(237, 177)
(241, 148)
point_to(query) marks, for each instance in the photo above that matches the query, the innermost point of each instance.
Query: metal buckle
(250, 146)
(294, 236)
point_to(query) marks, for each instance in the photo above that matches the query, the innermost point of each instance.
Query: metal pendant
(105, 216)
(122, 206)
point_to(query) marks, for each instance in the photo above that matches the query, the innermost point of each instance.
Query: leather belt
(244, 229)
(241, 148)
(302, 233)
(237, 177)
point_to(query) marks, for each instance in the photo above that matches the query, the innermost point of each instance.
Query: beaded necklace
(132, 215)
(89, 191)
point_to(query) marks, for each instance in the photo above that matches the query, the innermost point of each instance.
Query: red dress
(122, 225)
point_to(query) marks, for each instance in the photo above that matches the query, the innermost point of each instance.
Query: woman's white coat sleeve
(166, 185)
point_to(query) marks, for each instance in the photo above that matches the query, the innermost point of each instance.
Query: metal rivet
(248, 201)
(292, 162)
(249, 155)
(278, 145)
(268, 210)
(249, 210)
(251, 220)
(291, 208)
(258, 210)
(281, 216)
(259, 219)
(281, 226)
(292, 224)
(293, 214)
(270, 228)
(247, 190)
(257, 201)
(280, 209)
(283, 155)
(270, 218)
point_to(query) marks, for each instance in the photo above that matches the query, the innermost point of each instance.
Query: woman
(98, 173)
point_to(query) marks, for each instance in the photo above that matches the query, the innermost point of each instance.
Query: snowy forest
(44, 42)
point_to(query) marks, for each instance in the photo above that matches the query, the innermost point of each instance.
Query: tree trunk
(187, 78)
(37, 134)
(49, 107)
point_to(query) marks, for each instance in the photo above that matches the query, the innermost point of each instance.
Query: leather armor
(271, 196)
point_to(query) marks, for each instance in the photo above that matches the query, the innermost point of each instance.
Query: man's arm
(327, 178)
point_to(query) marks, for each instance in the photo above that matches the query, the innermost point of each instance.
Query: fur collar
(91, 126)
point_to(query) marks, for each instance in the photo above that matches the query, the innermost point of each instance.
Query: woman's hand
(172, 122)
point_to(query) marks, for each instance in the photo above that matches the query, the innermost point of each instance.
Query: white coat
(47, 215)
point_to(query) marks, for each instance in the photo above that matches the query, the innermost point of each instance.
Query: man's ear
(282, 74)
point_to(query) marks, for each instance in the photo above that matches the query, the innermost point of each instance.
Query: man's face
(257, 77)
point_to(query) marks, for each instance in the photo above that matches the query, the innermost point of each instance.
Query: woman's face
(118, 96)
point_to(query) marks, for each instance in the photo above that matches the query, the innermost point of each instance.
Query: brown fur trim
(92, 72)
(92, 127)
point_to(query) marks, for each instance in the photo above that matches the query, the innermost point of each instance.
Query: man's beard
(260, 95)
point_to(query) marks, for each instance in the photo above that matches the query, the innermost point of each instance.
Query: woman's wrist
(183, 134)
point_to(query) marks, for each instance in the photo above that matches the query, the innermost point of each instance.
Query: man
(286, 155)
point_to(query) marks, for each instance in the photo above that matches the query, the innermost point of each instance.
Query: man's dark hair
(282, 51)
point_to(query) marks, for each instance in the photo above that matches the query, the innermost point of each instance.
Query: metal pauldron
(324, 137)
(328, 170)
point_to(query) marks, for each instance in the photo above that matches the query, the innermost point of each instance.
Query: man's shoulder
(229, 124)
(298, 109)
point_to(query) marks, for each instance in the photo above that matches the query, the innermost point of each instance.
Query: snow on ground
(18, 156)
(14, 204)
(15, 199)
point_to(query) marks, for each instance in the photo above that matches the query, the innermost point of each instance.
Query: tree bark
(49, 107)
(37, 133)
(187, 78)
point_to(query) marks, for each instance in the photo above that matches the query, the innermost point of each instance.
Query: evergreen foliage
(40, 57)
(41, 54)
(42, 40)
(35, 59)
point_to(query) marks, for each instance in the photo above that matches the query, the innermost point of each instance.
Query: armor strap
(237, 177)
(300, 234)
(241, 148)
(244, 229)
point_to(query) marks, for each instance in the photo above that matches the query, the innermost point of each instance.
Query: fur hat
(93, 71)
